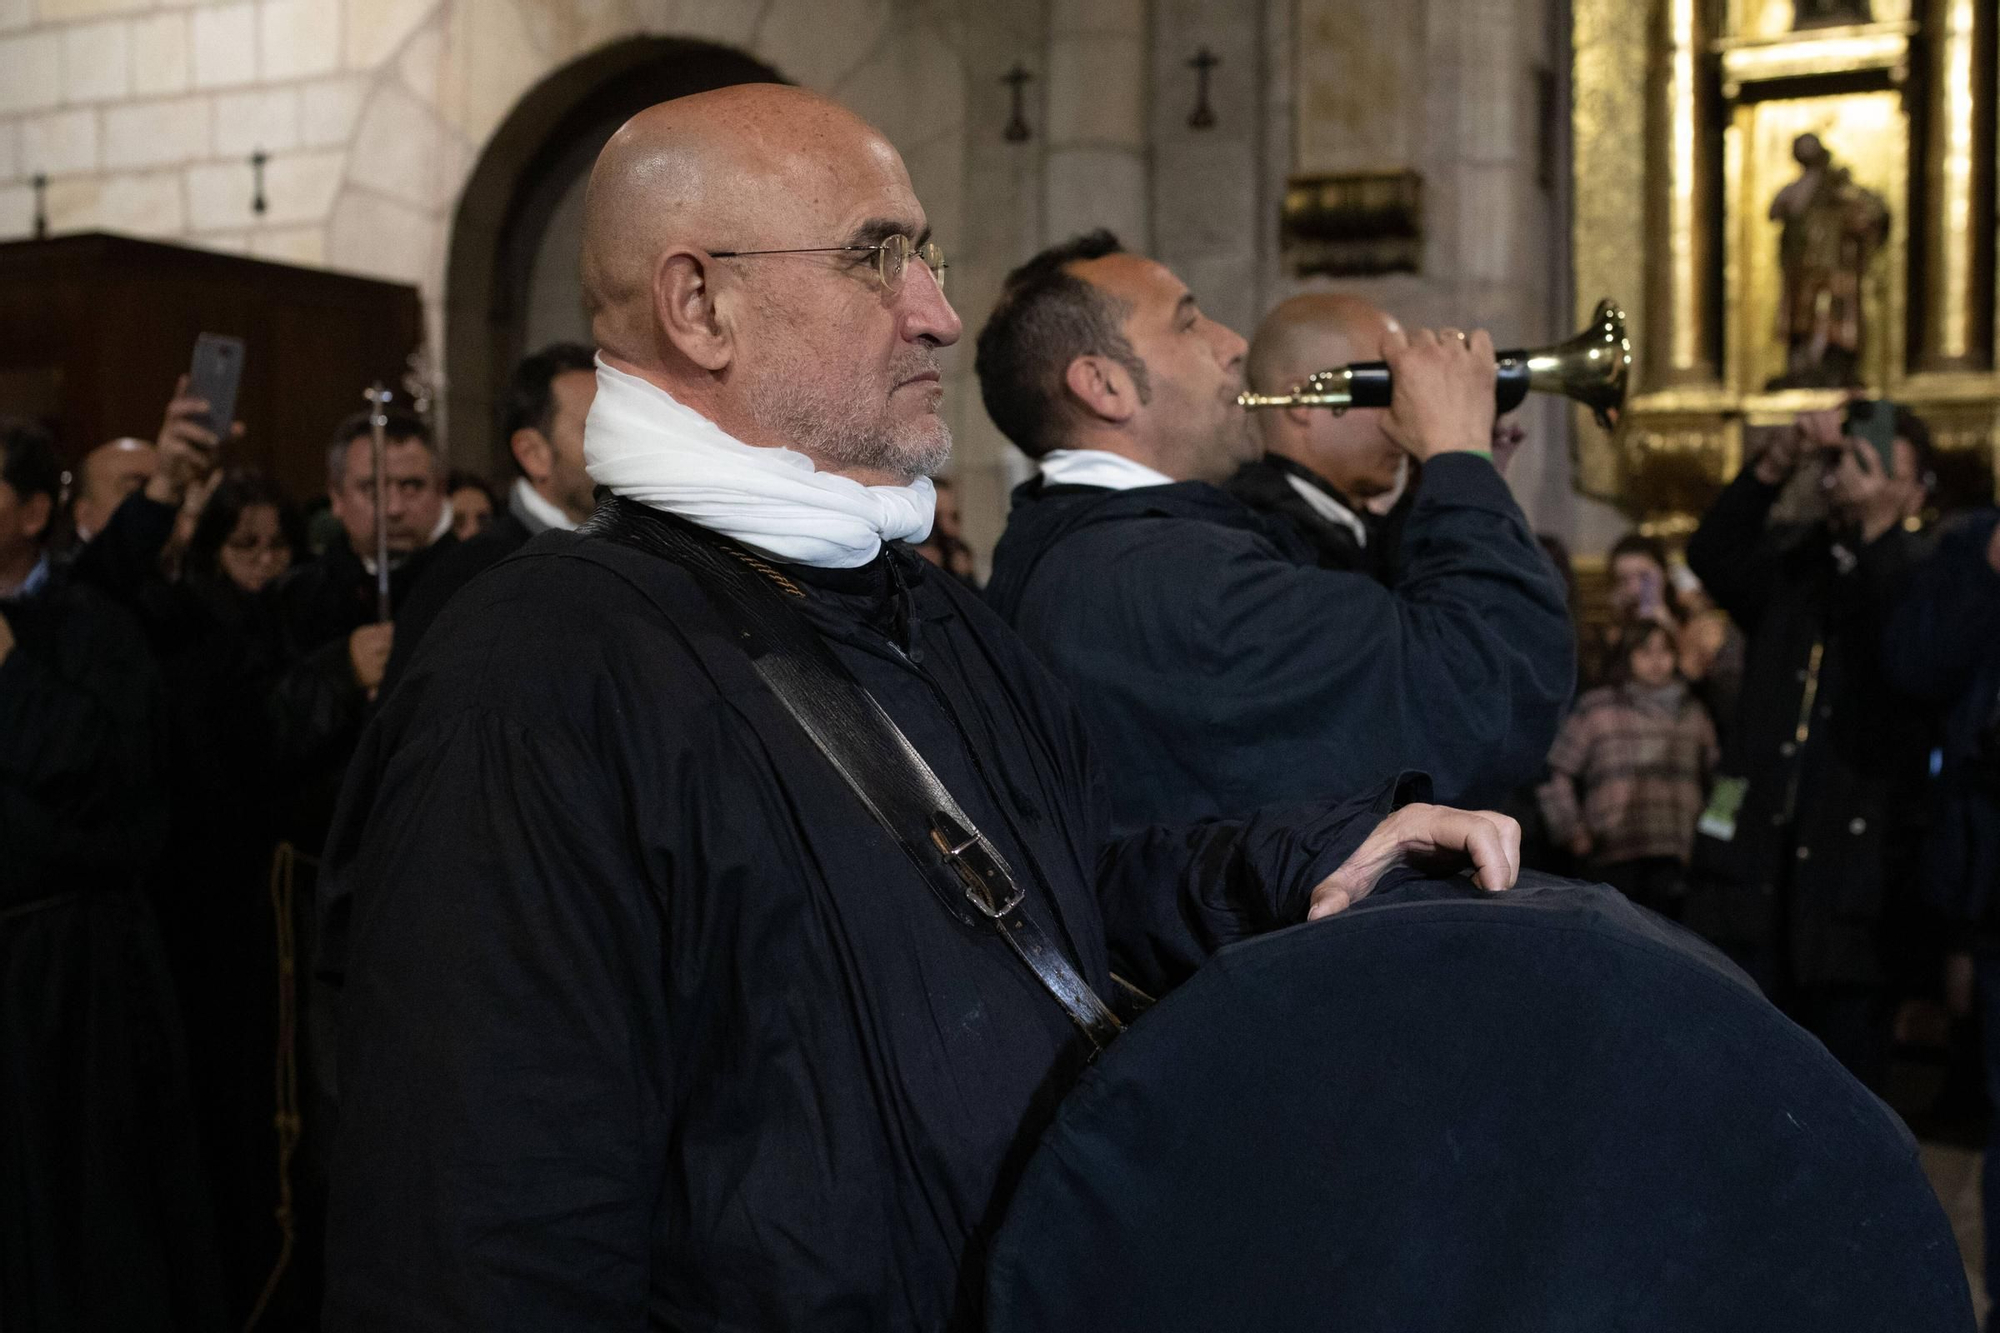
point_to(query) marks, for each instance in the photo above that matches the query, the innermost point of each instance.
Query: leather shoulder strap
(864, 745)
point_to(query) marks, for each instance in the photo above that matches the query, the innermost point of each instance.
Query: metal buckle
(976, 865)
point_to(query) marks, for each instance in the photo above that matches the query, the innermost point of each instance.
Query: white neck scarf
(643, 445)
(1098, 467)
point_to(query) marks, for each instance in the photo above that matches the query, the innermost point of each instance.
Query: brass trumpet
(1591, 368)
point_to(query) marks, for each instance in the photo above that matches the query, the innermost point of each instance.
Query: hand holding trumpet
(1443, 396)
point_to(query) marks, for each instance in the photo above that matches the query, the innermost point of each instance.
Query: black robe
(103, 1211)
(1221, 670)
(648, 1024)
(217, 652)
(451, 571)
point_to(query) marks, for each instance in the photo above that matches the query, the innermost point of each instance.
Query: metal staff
(378, 419)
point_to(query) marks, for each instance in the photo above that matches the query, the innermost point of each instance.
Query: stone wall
(373, 113)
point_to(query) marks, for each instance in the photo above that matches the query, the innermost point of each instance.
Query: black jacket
(647, 1023)
(452, 570)
(1220, 670)
(1943, 647)
(1818, 818)
(1265, 486)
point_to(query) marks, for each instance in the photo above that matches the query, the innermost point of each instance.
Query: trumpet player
(1219, 668)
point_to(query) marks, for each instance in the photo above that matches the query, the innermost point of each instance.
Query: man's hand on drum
(1432, 838)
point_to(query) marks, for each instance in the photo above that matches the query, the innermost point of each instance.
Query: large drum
(1545, 1110)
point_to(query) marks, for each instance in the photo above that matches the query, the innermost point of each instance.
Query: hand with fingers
(1433, 838)
(188, 450)
(1442, 401)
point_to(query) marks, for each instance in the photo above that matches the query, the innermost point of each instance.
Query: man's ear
(532, 451)
(1104, 387)
(684, 307)
(36, 512)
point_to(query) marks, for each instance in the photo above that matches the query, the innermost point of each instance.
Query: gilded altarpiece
(1700, 128)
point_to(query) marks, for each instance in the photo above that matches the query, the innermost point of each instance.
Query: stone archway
(526, 177)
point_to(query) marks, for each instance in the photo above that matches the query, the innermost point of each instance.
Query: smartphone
(1874, 420)
(215, 375)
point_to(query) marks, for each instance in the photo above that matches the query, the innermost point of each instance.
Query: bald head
(737, 168)
(1314, 332)
(736, 254)
(1317, 331)
(108, 474)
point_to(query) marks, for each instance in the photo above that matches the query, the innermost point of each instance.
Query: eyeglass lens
(893, 260)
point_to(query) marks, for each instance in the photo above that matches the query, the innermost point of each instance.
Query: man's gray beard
(840, 437)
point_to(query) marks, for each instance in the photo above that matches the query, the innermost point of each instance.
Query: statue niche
(1826, 13)
(1832, 229)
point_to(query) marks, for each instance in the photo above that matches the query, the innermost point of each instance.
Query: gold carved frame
(1683, 114)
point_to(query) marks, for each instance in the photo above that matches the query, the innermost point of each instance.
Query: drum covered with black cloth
(1539, 1110)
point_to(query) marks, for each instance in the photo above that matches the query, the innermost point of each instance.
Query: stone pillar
(1213, 217)
(1096, 165)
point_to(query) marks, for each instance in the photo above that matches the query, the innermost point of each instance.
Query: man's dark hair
(461, 480)
(531, 396)
(1046, 318)
(402, 425)
(28, 463)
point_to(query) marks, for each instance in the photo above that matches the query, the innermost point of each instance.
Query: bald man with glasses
(648, 1023)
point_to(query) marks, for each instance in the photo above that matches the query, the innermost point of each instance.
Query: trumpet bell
(1592, 368)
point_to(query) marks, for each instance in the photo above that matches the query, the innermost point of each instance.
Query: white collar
(1328, 508)
(537, 512)
(1098, 467)
(646, 446)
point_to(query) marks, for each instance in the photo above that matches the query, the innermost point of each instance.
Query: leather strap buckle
(970, 859)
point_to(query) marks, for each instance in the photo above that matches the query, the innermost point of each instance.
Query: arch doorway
(511, 276)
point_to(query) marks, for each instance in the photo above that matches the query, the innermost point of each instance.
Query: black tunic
(647, 1023)
(1221, 670)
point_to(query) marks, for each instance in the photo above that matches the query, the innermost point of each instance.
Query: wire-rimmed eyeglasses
(892, 258)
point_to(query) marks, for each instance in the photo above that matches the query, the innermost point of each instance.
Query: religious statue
(1832, 229)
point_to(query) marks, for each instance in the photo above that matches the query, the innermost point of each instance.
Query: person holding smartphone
(1822, 767)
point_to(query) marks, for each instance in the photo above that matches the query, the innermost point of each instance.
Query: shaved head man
(1309, 333)
(646, 1022)
(108, 474)
(697, 278)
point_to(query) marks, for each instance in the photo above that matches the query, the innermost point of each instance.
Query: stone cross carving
(1203, 117)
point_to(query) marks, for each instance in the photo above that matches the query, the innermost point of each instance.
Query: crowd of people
(459, 870)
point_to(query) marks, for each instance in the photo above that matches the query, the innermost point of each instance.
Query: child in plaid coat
(1629, 771)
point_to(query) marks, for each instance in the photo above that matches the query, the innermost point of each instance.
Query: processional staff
(378, 420)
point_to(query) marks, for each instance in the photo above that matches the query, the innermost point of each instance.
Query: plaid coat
(1633, 771)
